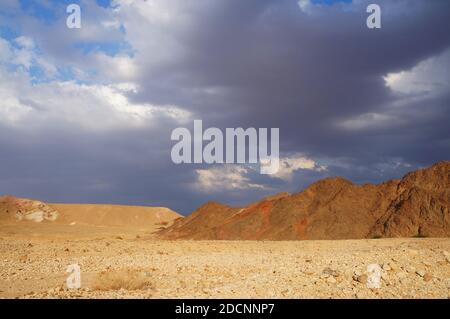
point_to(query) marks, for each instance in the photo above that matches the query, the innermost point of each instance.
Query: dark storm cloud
(261, 64)
(276, 66)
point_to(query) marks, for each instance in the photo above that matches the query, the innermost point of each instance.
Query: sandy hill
(333, 208)
(116, 215)
(13, 210)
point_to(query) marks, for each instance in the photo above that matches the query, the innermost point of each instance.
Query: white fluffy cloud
(429, 78)
(431, 75)
(90, 106)
(46, 100)
(289, 165)
(236, 177)
(226, 177)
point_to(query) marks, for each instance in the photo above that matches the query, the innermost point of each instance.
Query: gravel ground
(36, 268)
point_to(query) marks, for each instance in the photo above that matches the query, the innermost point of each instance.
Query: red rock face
(334, 208)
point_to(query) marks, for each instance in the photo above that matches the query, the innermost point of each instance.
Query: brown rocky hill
(333, 208)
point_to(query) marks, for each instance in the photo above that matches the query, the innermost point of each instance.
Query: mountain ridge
(333, 208)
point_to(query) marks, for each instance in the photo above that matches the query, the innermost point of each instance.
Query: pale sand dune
(25, 218)
(130, 217)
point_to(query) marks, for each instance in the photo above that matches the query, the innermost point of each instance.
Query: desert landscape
(316, 243)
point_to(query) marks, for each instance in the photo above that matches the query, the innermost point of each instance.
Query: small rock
(413, 252)
(420, 272)
(427, 277)
(331, 272)
(394, 266)
(410, 269)
(386, 267)
(362, 279)
(402, 275)
(331, 280)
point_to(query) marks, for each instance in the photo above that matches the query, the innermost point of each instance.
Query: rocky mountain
(333, 208)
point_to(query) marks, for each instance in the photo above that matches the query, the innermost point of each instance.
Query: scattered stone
(410, 269)
(413, 252)
(362, 279)
(386, 267)
(420, 272)
(394, 266)
(402, 274)
(427, 277)
(331, 272)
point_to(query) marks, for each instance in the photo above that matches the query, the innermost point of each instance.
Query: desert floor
(121, 264)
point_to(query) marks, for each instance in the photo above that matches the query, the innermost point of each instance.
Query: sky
(86, 114)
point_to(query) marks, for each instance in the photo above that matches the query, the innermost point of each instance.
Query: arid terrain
(401, 227)
(130, 267)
